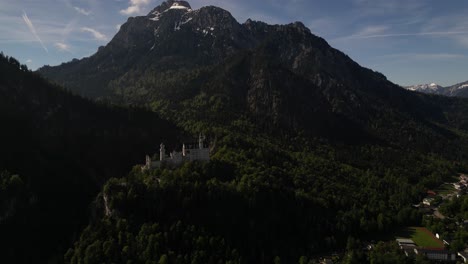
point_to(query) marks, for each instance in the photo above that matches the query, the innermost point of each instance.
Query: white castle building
(189, 153)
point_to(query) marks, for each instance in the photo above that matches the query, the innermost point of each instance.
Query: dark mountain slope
(64, 148)
(283, 71)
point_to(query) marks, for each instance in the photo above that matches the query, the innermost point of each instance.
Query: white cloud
(140, 2)
(135, 7)
(96, 34)
(131, 10)
(371, 30)
(82, 11)
(33, 30)
(118, 26)
(62, 46)
(29, 61)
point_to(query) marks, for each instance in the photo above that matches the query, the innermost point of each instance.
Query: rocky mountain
(432, 88)
(155, 40)
(280, 75)
(458, 90)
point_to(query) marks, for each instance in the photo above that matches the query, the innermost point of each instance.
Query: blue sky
(410, 41)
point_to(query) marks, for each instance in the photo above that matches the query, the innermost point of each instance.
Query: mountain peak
(432, 88)
(180, 5)
(171, 4)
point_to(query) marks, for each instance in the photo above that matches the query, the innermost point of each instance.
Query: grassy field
(422, 237)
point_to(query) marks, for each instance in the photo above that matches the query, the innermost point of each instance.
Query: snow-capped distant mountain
(460, 90)
(432, 88)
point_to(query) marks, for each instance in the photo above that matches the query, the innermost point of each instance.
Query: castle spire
(162, 152)
(201, 139)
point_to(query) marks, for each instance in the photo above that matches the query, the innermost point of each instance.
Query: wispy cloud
(463, 40)
(450, 23)
(390, 35)
(372, 30)
(96, 34)
(434, 33)
(135, 7)
(423, 56)
(62, 46)
(385, 7)
(324, 26)
(29, 61)
(33, 30)
(82, 11)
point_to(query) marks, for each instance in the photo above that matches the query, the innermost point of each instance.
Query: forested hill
(61, 148)
(308, 148)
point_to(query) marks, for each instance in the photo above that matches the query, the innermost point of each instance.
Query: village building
(459, 186)
(436, 255)
(407, 245)
(193, 152)
(428, 201)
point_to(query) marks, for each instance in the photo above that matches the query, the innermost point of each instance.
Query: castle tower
(184, 153)
(201, 138)
(162, 152)
(148, 161)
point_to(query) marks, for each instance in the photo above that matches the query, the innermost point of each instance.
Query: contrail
(33, 30)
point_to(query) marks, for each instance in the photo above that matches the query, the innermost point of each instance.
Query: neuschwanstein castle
(189, 153)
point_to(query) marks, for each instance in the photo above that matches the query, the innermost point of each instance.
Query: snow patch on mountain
(459, 89)
(180, 5)
(429, 88)
(186, 21)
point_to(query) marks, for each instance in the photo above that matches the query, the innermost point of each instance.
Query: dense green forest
(267, 196)
(310, 152)
(272, 193)
(259, 211)
(57, 149)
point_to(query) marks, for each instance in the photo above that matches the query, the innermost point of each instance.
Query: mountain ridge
(457, 90)
(150, 52)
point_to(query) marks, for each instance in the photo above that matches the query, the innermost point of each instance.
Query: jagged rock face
(281, 72)
(168, 35)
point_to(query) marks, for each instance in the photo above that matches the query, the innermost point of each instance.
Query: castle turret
(148, 162)
(201, 138)
(162, 152)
